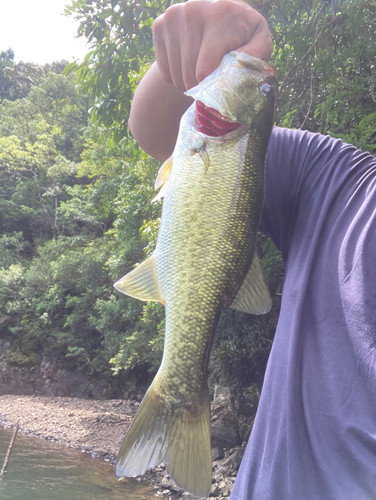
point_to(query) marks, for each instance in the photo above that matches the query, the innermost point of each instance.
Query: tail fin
(163, 431)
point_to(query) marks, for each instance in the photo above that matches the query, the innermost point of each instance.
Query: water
(39, 470)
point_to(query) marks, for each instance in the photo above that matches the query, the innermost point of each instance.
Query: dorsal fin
(142, 282)
(253, 296)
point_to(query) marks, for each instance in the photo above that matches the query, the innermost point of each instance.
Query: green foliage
(22, 77)
(56, 102)
(50, 301)
(72, 208)
(120, 35)
(41, 137)
(75, 211)
(324, 52)
(6, 61)
(36, 169)
(144, 347)
(13, 248)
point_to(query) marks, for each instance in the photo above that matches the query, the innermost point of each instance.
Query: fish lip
(211, 102)
(215, 105)
(211, 119)
(238, 132)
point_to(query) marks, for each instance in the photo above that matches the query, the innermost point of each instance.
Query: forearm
(155, 115)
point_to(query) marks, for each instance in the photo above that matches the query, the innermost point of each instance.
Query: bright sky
(39, 32)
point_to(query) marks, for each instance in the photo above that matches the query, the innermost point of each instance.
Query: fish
(205, 260)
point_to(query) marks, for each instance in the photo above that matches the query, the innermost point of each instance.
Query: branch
(372, 95)
(305, 55)
(10, 448)
(310, 105)
(330, 26)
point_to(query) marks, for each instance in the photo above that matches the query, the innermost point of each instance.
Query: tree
(325, 59)
(120, 35)
(6, 61)
(75, 211)
(324, 53)
(68, 230)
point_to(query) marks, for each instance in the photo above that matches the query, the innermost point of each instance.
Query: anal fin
(142, 282)
(253, 296)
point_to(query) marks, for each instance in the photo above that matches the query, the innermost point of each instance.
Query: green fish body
(205, 260)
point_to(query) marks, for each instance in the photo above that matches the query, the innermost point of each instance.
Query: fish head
(235, 95)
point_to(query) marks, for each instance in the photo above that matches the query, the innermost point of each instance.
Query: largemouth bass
(205, 260)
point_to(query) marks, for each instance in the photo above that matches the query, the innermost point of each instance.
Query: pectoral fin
(253, 296)
(161, 193)
(142, 282)
(162, 179)
(164, 173)
(201, 151)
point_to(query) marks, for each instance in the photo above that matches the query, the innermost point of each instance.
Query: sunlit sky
(39, 32)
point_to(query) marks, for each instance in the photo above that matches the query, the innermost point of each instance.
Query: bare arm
(190, 40)
(155, 114)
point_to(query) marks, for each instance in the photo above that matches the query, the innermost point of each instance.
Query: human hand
(191, 38)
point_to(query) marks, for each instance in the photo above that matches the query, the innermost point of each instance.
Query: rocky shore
(98, 427)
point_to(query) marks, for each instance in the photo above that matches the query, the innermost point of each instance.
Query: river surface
(39, 470)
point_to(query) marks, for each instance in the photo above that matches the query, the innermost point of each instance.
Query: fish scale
(205, 260)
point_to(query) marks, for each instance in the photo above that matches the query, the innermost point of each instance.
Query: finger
(228, 28)
(160, 49)
(167, 32)
(191, 32)
(174, 61)
(232, 28)
(212, 51)
(169, 62)
(260, 43)
(189, 54)
(162, 61)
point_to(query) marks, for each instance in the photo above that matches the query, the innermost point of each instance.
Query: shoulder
(302, 146)
(306, 171)
(300, 156)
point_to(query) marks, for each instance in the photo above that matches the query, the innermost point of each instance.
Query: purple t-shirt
(314, 436)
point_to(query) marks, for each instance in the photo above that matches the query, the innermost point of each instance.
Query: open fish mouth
(209, 121)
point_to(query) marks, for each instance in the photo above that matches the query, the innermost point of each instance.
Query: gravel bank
(97, 427)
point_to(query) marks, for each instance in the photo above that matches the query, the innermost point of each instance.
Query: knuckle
(172, 22)
(269, 47)
(192, 16)
(172, 14)
(157, 25)
(261, 25)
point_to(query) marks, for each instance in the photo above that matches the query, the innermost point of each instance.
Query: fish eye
(265, 89)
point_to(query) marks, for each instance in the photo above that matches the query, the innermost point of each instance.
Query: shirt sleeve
(299, 167)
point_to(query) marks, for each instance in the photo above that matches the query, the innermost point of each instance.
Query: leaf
(70, 68)
(106, 13)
